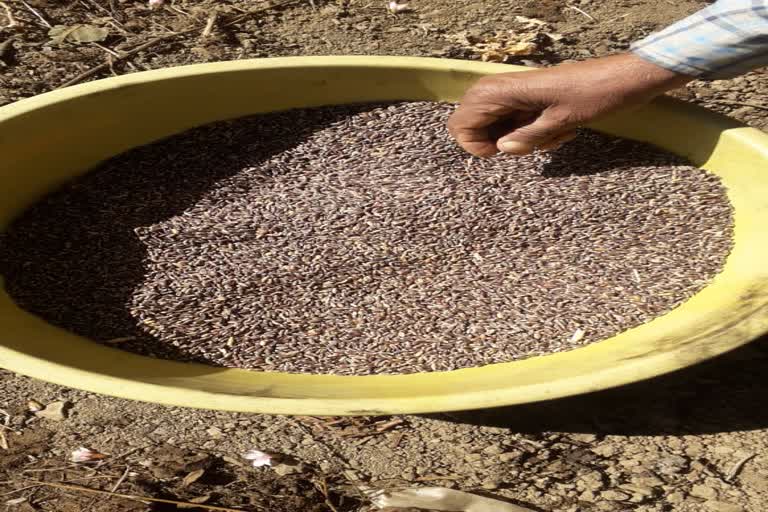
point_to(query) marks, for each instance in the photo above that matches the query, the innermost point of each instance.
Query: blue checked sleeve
(724, 40)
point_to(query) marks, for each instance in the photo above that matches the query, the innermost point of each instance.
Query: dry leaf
(61, 34)
(86, 455)
(500, 48)
(258, 458)
(198, 500)
(192, 477)
(395, 7)
(3, 441)
(503, 45)
(16, 501)
(34, 406)
(442, 499)
(55, 411)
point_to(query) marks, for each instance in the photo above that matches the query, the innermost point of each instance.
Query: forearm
(723, 40)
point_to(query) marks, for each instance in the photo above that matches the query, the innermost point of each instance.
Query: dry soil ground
(693, 441)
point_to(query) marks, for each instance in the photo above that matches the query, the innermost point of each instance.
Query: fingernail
(516, 148)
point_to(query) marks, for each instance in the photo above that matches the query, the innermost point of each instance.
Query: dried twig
(114, 54)
(178, 10)
(581, 12)
(9, 429)
(9, 14)
(37, 14)
(322, 486)
(136, 497)
(734, 471)
(18, 490)
(209, 24)
(3, 441)
(99, 6)
(121, 479)
(387, 425)
(105, 65)
(47, 470)
(130, 452)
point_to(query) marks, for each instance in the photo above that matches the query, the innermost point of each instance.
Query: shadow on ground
(722, 395)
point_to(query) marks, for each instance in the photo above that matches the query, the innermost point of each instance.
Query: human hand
(519, 112)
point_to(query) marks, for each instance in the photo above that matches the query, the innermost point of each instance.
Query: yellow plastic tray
(50, 138)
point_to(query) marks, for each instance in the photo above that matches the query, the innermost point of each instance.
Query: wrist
(647, 78)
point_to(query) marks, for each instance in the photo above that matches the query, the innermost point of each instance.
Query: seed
(360, 239)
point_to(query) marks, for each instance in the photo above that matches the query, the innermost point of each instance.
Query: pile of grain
(362, 240)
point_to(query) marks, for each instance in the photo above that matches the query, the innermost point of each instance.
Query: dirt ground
(693, 441)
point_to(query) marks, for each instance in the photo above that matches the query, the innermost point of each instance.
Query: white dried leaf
(83, 454)
(258, 458)
(395, 7)
(442, 499)
(54, 411)
(34, 406)
(154, 4)
(16, 501)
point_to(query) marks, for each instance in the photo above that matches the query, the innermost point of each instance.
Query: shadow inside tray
(74, 258)
(725, 394)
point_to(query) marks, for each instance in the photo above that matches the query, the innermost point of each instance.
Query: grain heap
(361, 240)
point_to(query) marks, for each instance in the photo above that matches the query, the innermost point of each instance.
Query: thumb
(541, 130)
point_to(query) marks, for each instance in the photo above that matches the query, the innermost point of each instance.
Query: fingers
(547, 131)
(504, 114)
(478, 115)
(477, 130)
(475, 141)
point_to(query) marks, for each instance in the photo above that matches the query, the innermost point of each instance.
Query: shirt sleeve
(726, 39)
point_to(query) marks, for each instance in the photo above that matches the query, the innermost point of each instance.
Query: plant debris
(502, 46)
(34, 406)
(258, 458)
(61, 34)
(192, 477)
(396, 8)
(55, 411)
(83, 455)
(442, 499)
